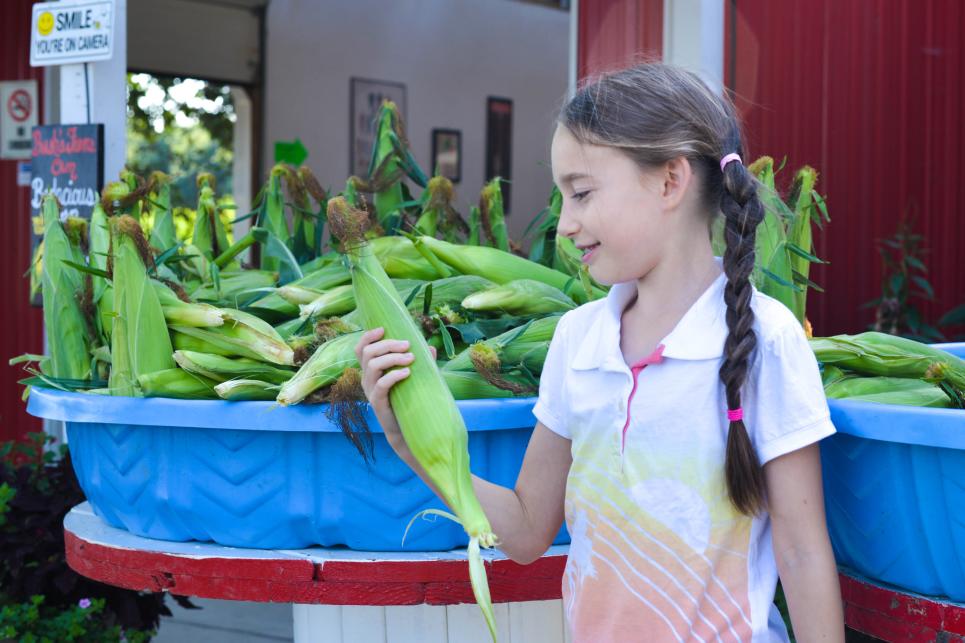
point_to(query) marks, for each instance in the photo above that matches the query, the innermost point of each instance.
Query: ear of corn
(66, 328)
(240, 389)
(243, 335)
(430, 421)
(298, 295)
(881, 354)
(176, 383)
(497, 266)
(183, 342)
(273, 216)
(320, 280)
(450, 291)
(400, 259)
(209, 234)
(889, 390)
(385, 169)
(182, 313)
(220, 368)
(520, 297)
(799, 234)
(323, 368)
(493, 217)
(335, 301)
(526, 345)
(341, 299)
(470, 385)
(235, 286)
(475, 228)
(163, 234)
(139, 343)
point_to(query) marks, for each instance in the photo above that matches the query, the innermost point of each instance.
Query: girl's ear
(678, 174)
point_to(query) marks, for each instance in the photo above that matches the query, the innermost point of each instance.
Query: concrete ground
(226, 622)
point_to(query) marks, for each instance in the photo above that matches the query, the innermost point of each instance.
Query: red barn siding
(614, 33)
(20, 324)
(869, 93)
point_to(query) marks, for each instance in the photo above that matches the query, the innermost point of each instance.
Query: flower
(84, 603)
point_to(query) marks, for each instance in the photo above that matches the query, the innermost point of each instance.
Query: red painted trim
(441, 582)
(892, 615)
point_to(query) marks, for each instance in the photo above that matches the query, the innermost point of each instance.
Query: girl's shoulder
(775, 325)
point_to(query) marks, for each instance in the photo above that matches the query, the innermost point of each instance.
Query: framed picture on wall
(365, 99)
(447, 154)
(499, 143)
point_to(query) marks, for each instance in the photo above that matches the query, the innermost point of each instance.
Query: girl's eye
(579, 196)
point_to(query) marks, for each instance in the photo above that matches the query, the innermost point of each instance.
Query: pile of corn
(881, 368)
(132, 310)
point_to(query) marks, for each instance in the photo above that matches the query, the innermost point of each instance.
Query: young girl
(678, 418)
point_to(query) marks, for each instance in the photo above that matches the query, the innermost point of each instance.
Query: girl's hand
(376, 356)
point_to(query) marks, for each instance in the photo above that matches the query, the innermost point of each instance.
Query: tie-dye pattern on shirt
(665, 533)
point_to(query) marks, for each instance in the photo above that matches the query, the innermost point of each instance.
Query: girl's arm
(802, 549)
(526, 518)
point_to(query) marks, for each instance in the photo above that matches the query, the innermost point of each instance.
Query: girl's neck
(665, 294)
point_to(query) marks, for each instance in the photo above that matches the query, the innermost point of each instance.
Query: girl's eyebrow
(572, 176)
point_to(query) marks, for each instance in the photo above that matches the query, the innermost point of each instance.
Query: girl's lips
(589, 252)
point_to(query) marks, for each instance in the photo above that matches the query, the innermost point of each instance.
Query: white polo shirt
(658, 551)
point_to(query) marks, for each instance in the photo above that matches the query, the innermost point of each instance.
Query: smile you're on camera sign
(71, 32)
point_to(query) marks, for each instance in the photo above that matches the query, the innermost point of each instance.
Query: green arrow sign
(292, 152)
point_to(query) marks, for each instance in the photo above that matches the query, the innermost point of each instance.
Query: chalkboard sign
(68, 160)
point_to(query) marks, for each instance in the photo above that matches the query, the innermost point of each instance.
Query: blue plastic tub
(894, 484)
(251, 474)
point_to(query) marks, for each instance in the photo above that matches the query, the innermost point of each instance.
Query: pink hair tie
(733, 156)
(735, 415)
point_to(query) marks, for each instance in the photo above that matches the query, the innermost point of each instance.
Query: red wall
(869, 93)
(872, 95)
(20, 324)
(615, 33)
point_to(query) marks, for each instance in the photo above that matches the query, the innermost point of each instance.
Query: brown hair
(654, 113)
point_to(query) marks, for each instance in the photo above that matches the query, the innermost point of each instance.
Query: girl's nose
(567, 225)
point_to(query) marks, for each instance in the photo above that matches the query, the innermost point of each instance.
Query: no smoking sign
(20, 105)
(18, 99)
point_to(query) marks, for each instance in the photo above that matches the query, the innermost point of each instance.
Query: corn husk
(889, 390)
(426, 411)
(400, 259)
(470, 385)
(140, 342)
(520, 297)
(246, 390)
(885, 355)
(176, 383)
(181, 313)
(323, 368)
(221, 369)
(498, 266)
(210, 236)
(243, 335)
(163, 232)
(493, 217)
(526, 346)
(67, 334)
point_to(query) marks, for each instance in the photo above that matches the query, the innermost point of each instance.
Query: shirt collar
(700, 333)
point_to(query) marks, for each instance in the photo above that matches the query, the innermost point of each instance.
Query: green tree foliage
(180, 127)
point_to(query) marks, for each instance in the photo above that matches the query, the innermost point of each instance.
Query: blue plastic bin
(894, 484)
(252, 474)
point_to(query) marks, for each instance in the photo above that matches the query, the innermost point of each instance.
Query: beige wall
(450, 54)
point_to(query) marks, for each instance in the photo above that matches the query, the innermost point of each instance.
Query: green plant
(33, 621)
(39, 591)
(904, 282)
